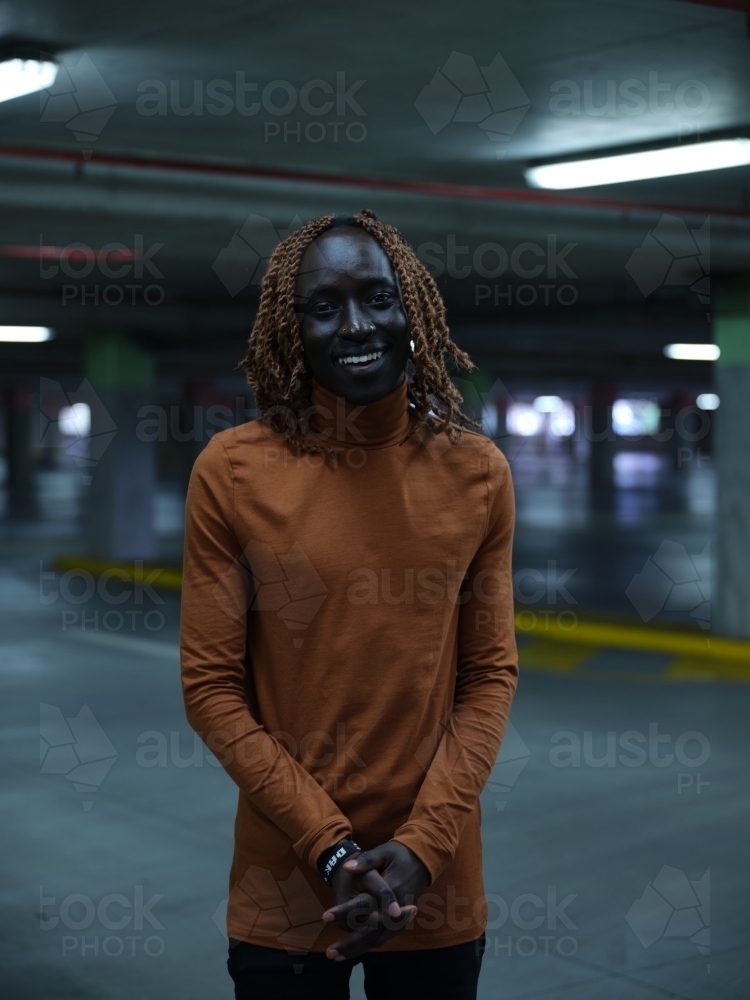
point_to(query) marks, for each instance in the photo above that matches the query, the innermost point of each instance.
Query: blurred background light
(25, 76)
(547, 404)
(562, 421)
(635, 417)
(707, 401)
(75, 420)
(692, 158)
(25, 334)
(523, 419)
(692, 352)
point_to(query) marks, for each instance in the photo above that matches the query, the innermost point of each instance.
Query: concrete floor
(161, 835)
(597, 544)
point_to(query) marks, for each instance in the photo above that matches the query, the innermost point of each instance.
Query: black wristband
(330, 861)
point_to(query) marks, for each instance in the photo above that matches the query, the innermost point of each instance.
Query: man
(347, 629)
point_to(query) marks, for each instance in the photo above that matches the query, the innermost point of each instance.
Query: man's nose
(355, 324)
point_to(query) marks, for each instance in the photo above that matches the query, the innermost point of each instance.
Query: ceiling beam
(439, 189)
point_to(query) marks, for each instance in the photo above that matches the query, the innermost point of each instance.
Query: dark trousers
(439, 973)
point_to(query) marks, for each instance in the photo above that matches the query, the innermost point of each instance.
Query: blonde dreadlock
(275, 362)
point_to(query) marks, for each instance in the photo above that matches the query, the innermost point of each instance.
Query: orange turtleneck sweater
(348, 654)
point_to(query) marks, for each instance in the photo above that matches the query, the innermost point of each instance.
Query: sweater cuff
(422, 842)
(310, 847)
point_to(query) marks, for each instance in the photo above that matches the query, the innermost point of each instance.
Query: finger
(397, 924)
(365, 865)
(347, 915)
(355, 944)
(366, 860)
(391, 928)
(374, 883)
(369, 937)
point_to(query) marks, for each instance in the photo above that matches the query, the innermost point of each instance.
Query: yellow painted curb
(694, 645)
(135, 572)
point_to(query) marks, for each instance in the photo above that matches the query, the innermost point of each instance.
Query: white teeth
(360, 359)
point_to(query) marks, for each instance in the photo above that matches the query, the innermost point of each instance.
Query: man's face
(353, 324)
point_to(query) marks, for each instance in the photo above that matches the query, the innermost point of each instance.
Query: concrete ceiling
(392, 51)
(92, 167)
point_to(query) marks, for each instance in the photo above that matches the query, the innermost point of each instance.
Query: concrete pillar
(21, 487)
(677, 422)
(730, 614)
(598, 429)
(119, 521)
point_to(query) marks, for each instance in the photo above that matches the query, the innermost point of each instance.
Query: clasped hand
(376, 894)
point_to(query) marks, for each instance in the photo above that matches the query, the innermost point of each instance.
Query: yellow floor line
(134, 572)
(555, 657)
(695, 645)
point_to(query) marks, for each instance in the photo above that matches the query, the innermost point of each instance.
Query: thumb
(368, 860)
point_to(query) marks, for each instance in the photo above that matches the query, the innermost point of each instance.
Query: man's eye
(379, 298)
(323, 307)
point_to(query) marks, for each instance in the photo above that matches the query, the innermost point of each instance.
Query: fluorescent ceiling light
(25, 334)
(692, 352)
(690, 159)
(548, 404)
(707, 401)
(25, 76)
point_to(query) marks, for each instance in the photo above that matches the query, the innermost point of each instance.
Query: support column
(121, 497)
(680, 447)
(598, 429)
(22, 498)
(730, 614)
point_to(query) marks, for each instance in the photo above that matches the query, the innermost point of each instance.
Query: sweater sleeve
(213, 653)
(461, 754)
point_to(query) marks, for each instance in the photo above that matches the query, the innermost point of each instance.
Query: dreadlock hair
(275, 363)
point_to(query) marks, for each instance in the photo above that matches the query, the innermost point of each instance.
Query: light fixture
(523, 419)
(75, 421)
(707, 401)
(692, 352)
(562, 421)
(691, 158)
(635, 417)
(25, 76)
(25, 334)
(547, 404)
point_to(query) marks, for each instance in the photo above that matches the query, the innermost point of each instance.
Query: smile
(359, 360)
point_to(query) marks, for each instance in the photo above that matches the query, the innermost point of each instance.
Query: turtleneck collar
(338, 423)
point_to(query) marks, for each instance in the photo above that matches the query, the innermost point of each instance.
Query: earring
(411, 345)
